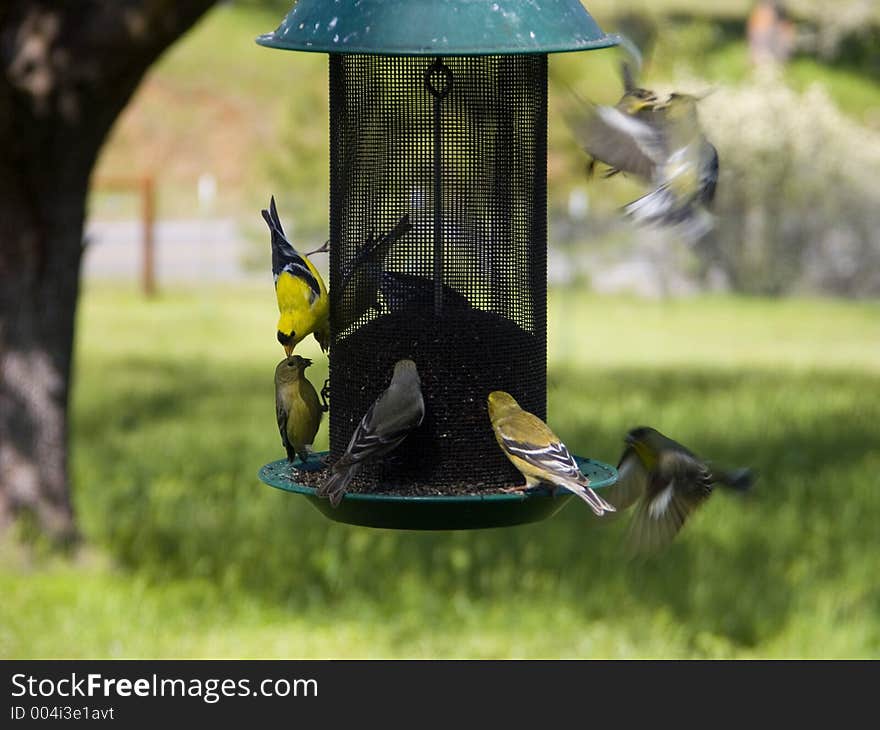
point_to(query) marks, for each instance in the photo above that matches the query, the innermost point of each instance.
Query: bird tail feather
(336, 485)
(658, 206)
(597, 504)
(661, 207)
(739, 479)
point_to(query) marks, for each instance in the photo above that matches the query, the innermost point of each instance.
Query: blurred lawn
(191, 556)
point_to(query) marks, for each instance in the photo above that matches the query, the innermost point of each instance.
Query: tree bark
(67, 69)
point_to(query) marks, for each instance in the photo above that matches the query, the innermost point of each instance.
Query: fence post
(148, 213)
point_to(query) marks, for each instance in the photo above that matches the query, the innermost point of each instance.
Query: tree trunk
(67, 68)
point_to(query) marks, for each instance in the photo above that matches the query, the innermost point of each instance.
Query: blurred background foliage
(804, 135)
(187, 554)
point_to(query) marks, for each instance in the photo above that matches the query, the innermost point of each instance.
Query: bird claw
(324, 248)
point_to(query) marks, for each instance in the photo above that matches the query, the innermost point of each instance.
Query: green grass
(189, 555)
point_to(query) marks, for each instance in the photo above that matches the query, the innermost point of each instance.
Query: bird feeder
(438, 123)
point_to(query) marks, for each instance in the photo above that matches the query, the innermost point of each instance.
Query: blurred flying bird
(660, 142)
(537, 452)
(303, 304)
(668, 482)
(398, 410)
(296, 406)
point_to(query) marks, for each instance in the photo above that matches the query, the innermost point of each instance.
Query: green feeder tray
(465, 512)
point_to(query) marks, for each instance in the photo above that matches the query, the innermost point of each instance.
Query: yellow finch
(660, 142)
(397, 411)
(669, 482)
(303, 304)
(296, 406)
(537, 452)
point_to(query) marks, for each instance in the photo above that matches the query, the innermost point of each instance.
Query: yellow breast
(298, 313)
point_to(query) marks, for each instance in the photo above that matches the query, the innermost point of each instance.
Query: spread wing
(678, 485)
(620, 140)
(632, 481)
(374, 250)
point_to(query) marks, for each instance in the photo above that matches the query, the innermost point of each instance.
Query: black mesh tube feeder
(438, 130)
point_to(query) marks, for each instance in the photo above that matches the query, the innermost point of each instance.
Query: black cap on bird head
(640, 435)
(287, 342)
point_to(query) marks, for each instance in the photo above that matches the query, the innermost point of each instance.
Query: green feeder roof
(438, 27)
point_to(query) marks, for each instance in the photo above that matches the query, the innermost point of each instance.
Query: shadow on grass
(168, 484)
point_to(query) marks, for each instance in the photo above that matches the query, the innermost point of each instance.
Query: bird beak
(288, 349)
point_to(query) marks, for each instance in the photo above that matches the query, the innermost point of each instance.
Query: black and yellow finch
(398, 410)
(537, 452)
(667, 482)
(297, 407)
(303, 304)
(660, 142)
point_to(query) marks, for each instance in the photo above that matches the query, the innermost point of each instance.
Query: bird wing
(285, 258)
(301, 271)
(281, 416)
(385, 424)
(678, 485)
(709, 174)
(621, 140)
(305, 412)
(632, 481)
(540, 456)
(374, 250)
(551, 457)
(398, 410)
